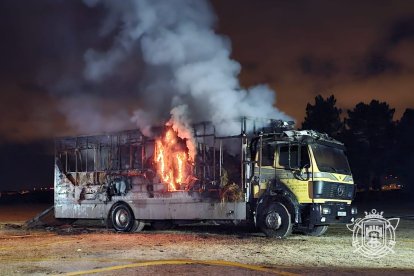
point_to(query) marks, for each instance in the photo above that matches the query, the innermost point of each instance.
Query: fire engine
(268, 174)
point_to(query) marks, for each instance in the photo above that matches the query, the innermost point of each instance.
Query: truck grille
(331, 190)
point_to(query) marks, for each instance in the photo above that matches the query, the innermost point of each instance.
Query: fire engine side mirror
(303, 169)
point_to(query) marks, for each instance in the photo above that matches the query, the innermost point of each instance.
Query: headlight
(326, 210)
(354, 211)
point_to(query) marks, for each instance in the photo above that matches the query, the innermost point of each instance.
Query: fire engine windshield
(330, 159)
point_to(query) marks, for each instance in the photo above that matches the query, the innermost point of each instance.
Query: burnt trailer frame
(95, 174)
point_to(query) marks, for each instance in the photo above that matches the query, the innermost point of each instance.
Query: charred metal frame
(93, 173)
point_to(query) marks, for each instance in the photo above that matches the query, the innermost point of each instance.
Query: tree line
(377, 145)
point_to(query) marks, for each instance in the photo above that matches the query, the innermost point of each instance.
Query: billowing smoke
(189, 75)
(88, 115)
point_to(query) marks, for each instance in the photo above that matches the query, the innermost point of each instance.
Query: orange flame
(173, 160)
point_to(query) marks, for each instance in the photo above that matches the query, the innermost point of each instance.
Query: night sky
(356, 50)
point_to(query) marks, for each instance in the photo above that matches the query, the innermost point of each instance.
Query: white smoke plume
(189, 74)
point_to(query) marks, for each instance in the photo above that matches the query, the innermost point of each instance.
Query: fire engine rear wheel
(316, 230)
(122, 218)
(275, 221)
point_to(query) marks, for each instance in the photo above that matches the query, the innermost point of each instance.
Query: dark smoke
(189, 75)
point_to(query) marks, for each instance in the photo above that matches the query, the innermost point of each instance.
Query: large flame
(174, 160)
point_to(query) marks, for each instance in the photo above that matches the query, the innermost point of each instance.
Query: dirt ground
(189, 250)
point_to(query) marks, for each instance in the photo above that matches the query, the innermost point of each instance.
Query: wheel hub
(273, 220)
(122, 218)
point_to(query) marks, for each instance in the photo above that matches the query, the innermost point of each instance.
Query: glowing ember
(174, 160)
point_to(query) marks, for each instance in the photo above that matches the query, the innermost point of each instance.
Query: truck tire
(275, 221)
(138, 226)
(122, 218)
(316, 231)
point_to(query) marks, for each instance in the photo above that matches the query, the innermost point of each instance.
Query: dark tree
(404, 157)
(323, 116)
(370, 142)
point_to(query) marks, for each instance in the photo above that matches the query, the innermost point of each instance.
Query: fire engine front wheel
(122, 218)
(275, 221)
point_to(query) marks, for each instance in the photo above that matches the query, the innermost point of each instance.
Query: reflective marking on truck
(283, 174)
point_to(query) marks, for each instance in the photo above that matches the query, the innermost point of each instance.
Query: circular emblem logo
(373, 235)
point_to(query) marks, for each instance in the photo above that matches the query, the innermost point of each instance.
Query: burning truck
(277, 178)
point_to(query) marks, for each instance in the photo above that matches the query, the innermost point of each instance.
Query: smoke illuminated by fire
(174, 160)
(189, 70)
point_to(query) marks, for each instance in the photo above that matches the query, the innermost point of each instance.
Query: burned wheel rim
(273, 220)
(122, 218)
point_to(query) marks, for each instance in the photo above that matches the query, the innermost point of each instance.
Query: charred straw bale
(85, 178)
(224, 179)
(231, 193)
